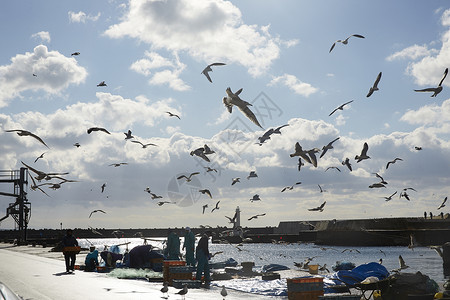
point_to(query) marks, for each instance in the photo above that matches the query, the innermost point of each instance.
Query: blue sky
(151, 55)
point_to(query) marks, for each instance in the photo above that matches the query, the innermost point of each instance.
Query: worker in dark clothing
(425, 215)
(69, 241)
(91, 261)
(202, 256)
(189, 245)
(172, 250)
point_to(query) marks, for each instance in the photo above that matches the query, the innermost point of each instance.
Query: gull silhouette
(443, 203)
(40, 156)
(233, 99)
(128, 135)
(437, 89)
(345, 42)
(173, 115)
(328, 147)
(188, 178)
(363, 154)
(21, 132)
(101, 84)
(319, 208)
(252, 175)
(234, 180)
(97, 129)
(144, 145)
(97, 210)
(347, 163)
(256, 216)
(207, 192)
(208, 69)
(255, 198)
(375, 85)
(392, 162)
(216, 207)
(332, 168)
(340, 107)
(389, 198)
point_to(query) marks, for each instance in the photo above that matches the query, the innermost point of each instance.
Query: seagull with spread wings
(327, 147)
(101, 84)
(173, 115)
(256, 216)
(389, 198)
(233, 99)
(255, 198)
(443, 203)
(40, 156)
(363, 154)
(188, 178)
(128, 135)
(208, 69)
(235, 180)
(117, 164)
(341, 107)
(336, 168)
(144, 145)
(437, 89)
(216, 207)
(375, 85)
(347, 163)
(345, 42)
(200, 152)
(97, 129)
(21, 132)
(95, 211)
(319, 208)
(290, 187)
(206, 191)
(392, 162)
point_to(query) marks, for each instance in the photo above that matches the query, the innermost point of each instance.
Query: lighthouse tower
(238, 218)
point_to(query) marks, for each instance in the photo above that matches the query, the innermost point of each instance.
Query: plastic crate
(182, 269)
(305, 284)
(71, 250)
(191, 284)
(311, 295)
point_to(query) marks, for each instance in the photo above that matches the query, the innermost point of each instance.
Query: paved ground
(36, 273)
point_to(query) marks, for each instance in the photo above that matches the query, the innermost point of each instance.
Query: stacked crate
(170, 263)
(305, 288)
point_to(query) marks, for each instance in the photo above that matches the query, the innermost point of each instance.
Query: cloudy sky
(151, 54)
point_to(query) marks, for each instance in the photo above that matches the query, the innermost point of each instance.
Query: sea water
(422, 259)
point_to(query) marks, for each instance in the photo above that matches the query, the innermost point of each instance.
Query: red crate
(305, 284)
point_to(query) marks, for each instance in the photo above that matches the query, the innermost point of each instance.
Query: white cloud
(54, 72)
(413, 52)
(42, 35)
(292, 82)
(154, 61)
(207, 30)
(429, 114)
(340, 120)
(82, 17)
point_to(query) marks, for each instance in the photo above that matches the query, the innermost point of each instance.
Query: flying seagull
(437, 89)
(208, 69)
(340, 107)
(320, 208)
(101, 84)
(443, 203)
(321, 190)
(200, 152)
(234, 180)
(347, 163)
(97, 129)
(363, 154)
(345, 42)
(300, 164)
(255, 198)
(161, 203)
(117, 164)
(405, 195)
(277, 130)
(256, 216)
(103, 187)
(208, 150)
(417, 148)
(77, 145)
(328, 147)
(42, 175)
(188, 178)
(209, 169)
(375, 86)
(252, 175)
(216, 207)
(389, 198)
(300, 152)
(204, 207)
(154, 196)
(144, 145)
(332, 168)
(377, 185)
(207, 192)
(128, 135)
(173, 115)
(392, 162)
(97, 210)
(290, 187)
(27, 133)
(233, 99)
(75, 53)
(40, 156)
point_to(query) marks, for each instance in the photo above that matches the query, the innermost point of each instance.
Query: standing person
(91, 261)
(202, 256)
(69, 241)
(173, 246)
(189, 244)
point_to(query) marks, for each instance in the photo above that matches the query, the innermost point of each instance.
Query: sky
(151, 55)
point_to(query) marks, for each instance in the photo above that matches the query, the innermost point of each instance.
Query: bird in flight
(188, 178)
(377, 185)
(27, 133)
(340, 107)
(389, 198)
(173, 115)
(95, 211)
(319, 208)
(75, 54)
(144, 145)
(443, 203)
(392, 162)
(161, 203)
(208, 69)
(101, 84)
(207, 192)
(252, 175)
(375, 85)
(328, 147)
(256, 216)
(347, 163)
(234, 99)
(332, 168)
(204, 207)
(437, 89)
(363, 154)
(255, 198)
(290, 187)
(216, 207)
(200, 152)
(381, 178)
(345, 42)
(209, 169)
(128, 135)
(154, 196)
(40, 156)
(417, 148)
(405, 195)
(321, 190)
(77, 145)
(97, 129)
(234, 180)
(117, 164)
(103, 187)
